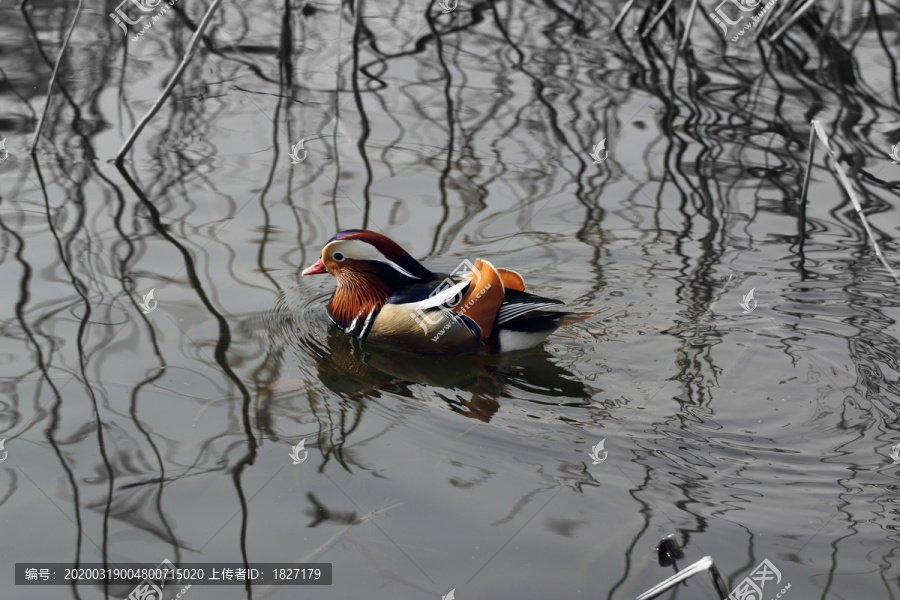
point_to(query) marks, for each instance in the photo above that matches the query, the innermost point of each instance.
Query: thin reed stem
(62, 51)
(805, 190)
(622, 14)
(854, 198)
(792, 20)
(192, 47)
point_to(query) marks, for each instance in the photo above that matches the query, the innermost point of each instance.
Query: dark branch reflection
(462, 134)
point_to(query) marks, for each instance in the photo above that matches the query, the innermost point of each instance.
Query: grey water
(656, 184)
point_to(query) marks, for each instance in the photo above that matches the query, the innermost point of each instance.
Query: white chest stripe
(367, 326)
(361, 250)
(352, 325)
(361, 328)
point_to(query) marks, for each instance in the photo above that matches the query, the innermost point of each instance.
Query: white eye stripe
(360, 250)
(398, 268)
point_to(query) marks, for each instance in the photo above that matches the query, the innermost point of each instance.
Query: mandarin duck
(386, 296)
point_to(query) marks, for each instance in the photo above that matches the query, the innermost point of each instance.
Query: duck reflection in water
(470, 384)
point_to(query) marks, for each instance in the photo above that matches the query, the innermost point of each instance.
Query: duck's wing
(473, 302)
(521, 306)
(443, 316)
(524, 312)
(525, 321)
(419, 317)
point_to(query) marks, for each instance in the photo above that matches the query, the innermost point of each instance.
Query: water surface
(750, 435)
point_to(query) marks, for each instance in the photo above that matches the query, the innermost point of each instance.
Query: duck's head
(359, 257)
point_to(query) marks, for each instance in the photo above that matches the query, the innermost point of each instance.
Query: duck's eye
(337, 256)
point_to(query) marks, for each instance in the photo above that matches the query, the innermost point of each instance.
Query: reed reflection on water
(134, 435)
